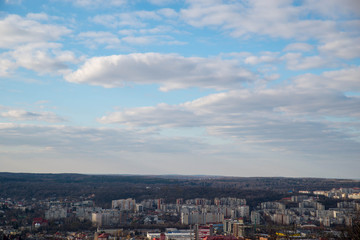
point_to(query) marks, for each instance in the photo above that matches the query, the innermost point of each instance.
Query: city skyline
(230, 88)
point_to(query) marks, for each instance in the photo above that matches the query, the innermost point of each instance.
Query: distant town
(302, 214)
(204, 217)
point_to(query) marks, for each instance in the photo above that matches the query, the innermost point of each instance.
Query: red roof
(39, 220)
(220, 237)
(104, 235)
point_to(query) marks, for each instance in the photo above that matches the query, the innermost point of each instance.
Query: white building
(124, 204)
(56, 212)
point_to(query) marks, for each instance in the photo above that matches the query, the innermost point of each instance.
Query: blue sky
(236, 88)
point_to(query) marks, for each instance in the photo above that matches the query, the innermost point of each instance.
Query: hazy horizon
(173, 175)
(192, 87)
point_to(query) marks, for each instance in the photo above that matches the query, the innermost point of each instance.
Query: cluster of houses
(297, 210)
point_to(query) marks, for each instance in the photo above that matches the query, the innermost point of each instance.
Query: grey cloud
(297, 119)
(98, 141)
(163, 115)
(237, 106)
(110, 150)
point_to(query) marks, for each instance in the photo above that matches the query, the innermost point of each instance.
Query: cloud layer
(293, 119)
(40, 148)
(155, 87)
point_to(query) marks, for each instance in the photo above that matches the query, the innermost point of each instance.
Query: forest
(104, 188)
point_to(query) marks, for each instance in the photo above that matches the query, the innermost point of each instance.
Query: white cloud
(296, 61)
(277, 19)
(32, 45)
(269, 57)
(119, 20)
(99, 3)
(22, 115)
(291, 103)
(155, 30)
(6, 66)
(18, 30)
(296, 57)
(151, 39)
(302, 47)
(333, 8)
(310, 114)
(132, 19)
(167, 12)
(37, 16)
(93, 39)
(160, 2)
(346, 48)
(162, 115)
(346, 79)
(41, 57)
(305, 21)
(158, 35)
(140, 40)
(171, 71)
(13, 1)
(127, 31)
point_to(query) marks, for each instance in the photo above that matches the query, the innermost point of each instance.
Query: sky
(209, 87)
